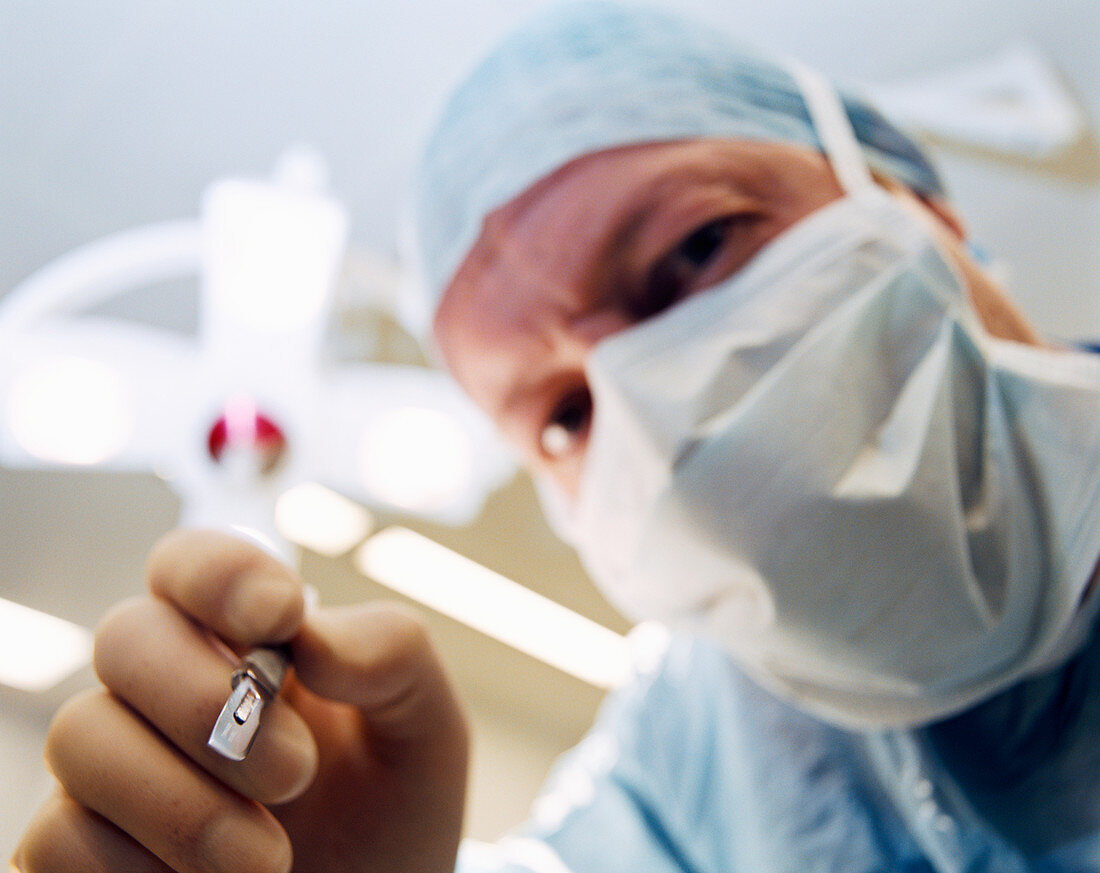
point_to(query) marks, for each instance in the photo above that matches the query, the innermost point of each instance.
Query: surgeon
(777, 405)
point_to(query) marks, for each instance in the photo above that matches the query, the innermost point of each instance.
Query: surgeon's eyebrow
(655, 192)
(675, 194)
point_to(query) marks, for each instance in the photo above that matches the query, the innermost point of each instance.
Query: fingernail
(291, 757)
(242, 842)
(265, 607)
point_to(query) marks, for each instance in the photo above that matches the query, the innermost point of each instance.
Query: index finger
(229, 586)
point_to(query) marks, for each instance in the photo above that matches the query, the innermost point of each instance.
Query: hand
(360, 764)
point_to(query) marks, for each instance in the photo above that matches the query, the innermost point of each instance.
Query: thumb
(379, 658)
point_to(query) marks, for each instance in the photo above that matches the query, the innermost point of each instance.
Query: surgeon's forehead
(580, 219)
(642, 174)
(556, 246)
(617, 191)
(585, 215)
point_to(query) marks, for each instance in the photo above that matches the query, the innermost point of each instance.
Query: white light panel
(317, 518)
(38, 650)
(70, 411)
(458, 587)
(416, 458)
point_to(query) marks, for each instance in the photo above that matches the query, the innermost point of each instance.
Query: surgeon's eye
(567, 427)
(683, 270)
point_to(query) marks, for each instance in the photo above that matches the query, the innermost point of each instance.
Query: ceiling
(119, 114)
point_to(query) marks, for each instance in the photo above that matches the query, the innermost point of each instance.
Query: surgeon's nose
(577, 337)
(563, 435)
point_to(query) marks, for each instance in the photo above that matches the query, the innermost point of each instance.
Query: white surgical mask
(884, 513)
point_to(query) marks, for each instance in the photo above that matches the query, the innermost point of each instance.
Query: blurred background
(119, 114)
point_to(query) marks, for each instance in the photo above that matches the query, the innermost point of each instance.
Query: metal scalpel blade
(255, 684)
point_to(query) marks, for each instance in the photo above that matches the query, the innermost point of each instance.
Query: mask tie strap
(833, 128)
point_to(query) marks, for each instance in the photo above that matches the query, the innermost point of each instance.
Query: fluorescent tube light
(71, 411)
(317, 518)
(416, 458)
(38, 650)
(463, 589)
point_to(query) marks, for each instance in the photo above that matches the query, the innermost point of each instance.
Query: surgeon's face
(609, 240)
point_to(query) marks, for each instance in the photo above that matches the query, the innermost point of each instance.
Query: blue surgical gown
(693, 768)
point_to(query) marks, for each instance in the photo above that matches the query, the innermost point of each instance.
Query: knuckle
(69, 730)
(43, 847)
(118, 636)
(66, 837)
(190, 556)
(232, 840)
(165, 553)
(268, 611)
(53, 841)
(233, 584)
(406, 638)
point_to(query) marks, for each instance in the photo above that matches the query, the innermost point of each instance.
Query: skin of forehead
(522, 238)
(511, 312)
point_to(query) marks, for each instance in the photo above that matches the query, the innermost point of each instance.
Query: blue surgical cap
(584, 77)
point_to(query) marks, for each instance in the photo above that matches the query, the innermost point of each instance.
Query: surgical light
(247, 289)
(38, 650)
(317, 518)
(416, 458)
(454, 585)
(70, 410)
(268, 254)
